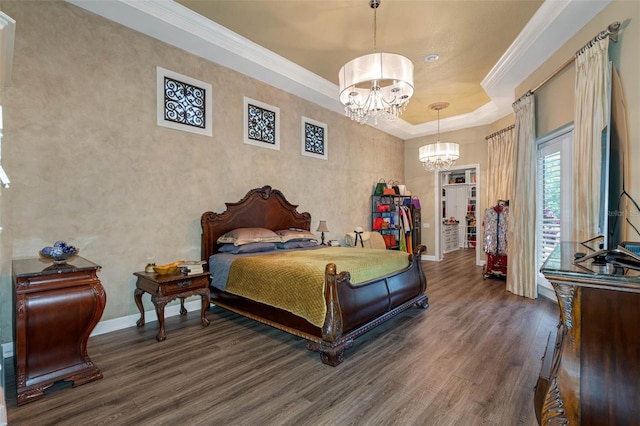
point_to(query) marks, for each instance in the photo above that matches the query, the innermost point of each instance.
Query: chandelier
(439, 155)
(376, 85)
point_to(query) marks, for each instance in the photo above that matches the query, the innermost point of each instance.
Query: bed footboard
(403, 291)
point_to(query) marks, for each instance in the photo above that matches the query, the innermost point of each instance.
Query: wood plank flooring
(471, 358)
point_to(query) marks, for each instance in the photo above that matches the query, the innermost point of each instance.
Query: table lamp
(322, 228)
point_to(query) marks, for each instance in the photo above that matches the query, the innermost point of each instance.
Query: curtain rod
(506, 129)
(611, 32)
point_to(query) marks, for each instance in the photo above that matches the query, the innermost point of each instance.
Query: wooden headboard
(260, 208)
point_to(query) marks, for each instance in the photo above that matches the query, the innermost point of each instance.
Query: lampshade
(322, 226)
(439, 155)
(376, 85)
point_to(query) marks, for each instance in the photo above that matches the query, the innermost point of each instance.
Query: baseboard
(125, 322)
(149, 316)
(434, 259)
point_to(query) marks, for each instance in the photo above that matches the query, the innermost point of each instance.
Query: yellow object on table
(168, 268)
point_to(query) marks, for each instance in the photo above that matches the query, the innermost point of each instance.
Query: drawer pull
(183, 284)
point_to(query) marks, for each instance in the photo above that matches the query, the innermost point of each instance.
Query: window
(549, 220)
(555, 190)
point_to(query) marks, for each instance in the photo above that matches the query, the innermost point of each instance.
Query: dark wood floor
(472, 358)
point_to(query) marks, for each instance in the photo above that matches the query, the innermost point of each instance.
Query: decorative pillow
(297, 244)
(247, 248)
(242, 236)
(295, 235)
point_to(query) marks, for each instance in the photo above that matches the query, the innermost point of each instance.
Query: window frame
(560, 140)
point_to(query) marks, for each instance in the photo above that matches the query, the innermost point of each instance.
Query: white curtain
(521, 269)
(499, 171)
(591, 110)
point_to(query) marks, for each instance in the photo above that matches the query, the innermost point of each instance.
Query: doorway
(457, 210)
(554, 209)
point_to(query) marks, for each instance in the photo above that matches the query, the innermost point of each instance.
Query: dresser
(55, 309)
(450, 237)
(591, 368)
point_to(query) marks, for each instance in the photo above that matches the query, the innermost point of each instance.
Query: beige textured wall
(89, 165)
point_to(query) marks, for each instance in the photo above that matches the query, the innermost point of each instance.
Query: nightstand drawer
(184, 284)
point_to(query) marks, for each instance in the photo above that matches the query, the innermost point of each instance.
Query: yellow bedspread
(294, 280)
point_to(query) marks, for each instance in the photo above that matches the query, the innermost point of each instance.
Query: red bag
(390, 240)
(377, 223)
(383, 208)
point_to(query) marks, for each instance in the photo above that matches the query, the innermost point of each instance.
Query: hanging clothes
(496, 220)
(406, 231)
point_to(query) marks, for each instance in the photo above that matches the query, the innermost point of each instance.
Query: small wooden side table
(55, 309)
(165, 288)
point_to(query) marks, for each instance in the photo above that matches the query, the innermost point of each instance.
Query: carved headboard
(260, 208)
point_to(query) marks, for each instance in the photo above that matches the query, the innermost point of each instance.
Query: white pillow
(295, 235)
(241, 236)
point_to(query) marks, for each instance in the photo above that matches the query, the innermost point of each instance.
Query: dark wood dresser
(591, 370)
(55, 309)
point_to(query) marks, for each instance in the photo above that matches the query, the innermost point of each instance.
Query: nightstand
(55, 309)
(165, 288)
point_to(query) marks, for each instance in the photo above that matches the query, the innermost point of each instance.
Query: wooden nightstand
(165, 288)
(55, 309)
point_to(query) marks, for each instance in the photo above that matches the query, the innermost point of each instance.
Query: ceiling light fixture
(376, 85)
(439, 155)
(431, 57)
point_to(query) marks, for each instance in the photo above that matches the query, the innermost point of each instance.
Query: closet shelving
(459, 195)
(471, 234)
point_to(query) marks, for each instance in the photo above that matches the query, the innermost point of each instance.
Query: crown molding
(551, 26)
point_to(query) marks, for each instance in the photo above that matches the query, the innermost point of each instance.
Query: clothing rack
(495, 230)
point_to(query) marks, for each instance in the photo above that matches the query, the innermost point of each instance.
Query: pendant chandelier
(439, 155)
(376, 85)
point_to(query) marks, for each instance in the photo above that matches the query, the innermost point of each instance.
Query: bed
(349, 310)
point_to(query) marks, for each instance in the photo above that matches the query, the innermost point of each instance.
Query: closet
(459, 191)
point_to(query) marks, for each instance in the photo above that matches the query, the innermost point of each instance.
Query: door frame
(438, 207)
(564, 137)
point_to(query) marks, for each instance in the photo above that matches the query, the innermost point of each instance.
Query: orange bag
(390, 240)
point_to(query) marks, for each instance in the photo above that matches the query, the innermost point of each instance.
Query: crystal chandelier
(376, 85)
(439, 155)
